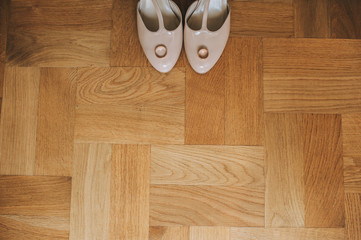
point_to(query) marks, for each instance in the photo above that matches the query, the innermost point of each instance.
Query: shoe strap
(205, 14)
(159, 14)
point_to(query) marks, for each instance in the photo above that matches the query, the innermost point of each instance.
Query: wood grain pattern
(169, 233)
(209, 233)
(90, 203)
(2, 76)
(352, 174)
(35, 196)
(130, 124)
(129, 217)
(261, 19)
(110, 110)
(205, 94)
(353, 215)
(15, 227)
(58, 48)
(18, 121)
(351, 134)
(172, 205)
(312, 19)
(312, 75)
(323, 170)
(4, 16)
(345, 17)
(124, 43)
(304, 152)
(207, 165)
(67, 3)
(266, 1)
(284, 171)
(47, 222)
(251, 150)
(130, 86)
(75, 33)
(244, 92)
(56, 117)
(287, 233)
(60, 15)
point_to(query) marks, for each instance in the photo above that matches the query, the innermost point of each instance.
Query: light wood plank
(312, 19)
(152, 113)
(284, 171)
(209, 233)
(56, 117)
(35, 196)
(172, 205)
(261, 19)
(324, 191)
(130, 124)
(90, 205)
(312, 75)
(205, 94)
(2, 76)
(244, 92)
(18, 121)
(55, 3)
(130, 86)
(345, 18)
(304, 153)
(169, 233)
(207, 165)
(353, 215)
(125, 47)
(352, 174)
(287, 233)
(265, 1)
(59, 34)
(15, 227)
(351, 134)
(4, 16)
(80, 15)
(46, 222)
(58, 48)
(129, 217)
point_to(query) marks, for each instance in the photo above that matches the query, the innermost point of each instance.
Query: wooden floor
(96, 144)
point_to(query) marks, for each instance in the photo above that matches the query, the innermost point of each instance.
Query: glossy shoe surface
(206, 31)
(160, 32)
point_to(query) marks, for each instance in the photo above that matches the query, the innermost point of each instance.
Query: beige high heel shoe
(206, 31)
(160, 32)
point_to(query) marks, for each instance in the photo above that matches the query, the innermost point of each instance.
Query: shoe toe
(203, 47)
(199, 63)
(171, 48)
(163, 47)
(164, 66)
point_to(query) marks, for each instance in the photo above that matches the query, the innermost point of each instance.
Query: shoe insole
(217, 15)
(149, 15)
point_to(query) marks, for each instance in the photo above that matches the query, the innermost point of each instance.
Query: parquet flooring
(96, 144)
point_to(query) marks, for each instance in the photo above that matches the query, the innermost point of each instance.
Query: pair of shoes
(160, 31)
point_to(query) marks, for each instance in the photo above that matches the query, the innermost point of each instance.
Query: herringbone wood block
(96, 144)
(59, 33)
(34, 207)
